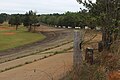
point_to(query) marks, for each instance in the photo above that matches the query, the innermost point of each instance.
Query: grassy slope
(19, 38)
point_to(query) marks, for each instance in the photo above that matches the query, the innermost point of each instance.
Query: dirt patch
(9, 33)
(6, 28)
(115, 75)
(43, 28)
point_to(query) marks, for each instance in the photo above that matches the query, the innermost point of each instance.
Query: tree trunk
(34, 28)
(104, 36)
(29, 29)
(16, 27)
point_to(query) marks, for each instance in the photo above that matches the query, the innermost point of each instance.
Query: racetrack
(53, 38)
(50, 68)
(53, 35)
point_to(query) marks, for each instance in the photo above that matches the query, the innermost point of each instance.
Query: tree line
(31, 19)
(69, 19)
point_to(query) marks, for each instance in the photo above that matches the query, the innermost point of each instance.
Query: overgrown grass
(86, 72)
(104, 63)
(10, 38)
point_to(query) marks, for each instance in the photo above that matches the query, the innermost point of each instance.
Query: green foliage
(72, 19)
(3, 17)
(15, 19)
(106, 16)
(30, 19)
(26, 21)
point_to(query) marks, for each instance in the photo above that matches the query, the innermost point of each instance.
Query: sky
(40, 6)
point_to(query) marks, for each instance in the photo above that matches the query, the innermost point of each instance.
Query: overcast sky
(41, 6)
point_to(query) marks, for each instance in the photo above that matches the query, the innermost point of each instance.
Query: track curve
(51, 37)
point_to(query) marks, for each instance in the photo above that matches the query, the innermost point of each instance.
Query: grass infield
(10, 38)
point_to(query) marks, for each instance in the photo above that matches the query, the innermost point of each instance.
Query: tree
(15, 19)
(60, 21)
(26, 20)
(69, 20)
(30, 19)
(1, 19)
(35, 21)
(11, 21)
(107, 16)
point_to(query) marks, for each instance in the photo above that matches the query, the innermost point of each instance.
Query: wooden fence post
(77, 57)
(89, 55)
